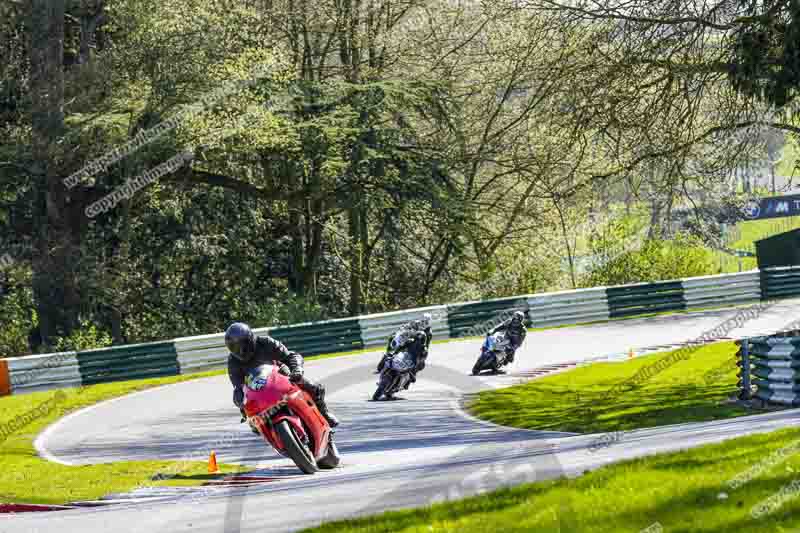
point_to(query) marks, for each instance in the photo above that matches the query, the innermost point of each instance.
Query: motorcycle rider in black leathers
(416, 345)
(423, 325)
(249, 351)
(515, 331)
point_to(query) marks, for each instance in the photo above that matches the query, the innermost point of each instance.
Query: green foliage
(17, 319)
(86, 337)
(515, 269)
(656, 260)
(281, 310)
(766, 51)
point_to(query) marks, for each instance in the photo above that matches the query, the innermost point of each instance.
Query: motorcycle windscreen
(399, 338)
(264, 388)
(257, 378)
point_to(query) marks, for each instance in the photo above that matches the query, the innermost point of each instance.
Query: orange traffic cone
(212, 463)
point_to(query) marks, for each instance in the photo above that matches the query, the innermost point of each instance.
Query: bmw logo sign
(751, 209)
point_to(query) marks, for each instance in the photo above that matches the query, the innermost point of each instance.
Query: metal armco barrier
(457, 320)
(568, 307)
(772, 364)
(722, 289)
(135, 361)
(315, 338)
(42, 372)
(644, 298)
(476, 318)
(780, 282)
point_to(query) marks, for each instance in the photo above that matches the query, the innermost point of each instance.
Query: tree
(56, 237)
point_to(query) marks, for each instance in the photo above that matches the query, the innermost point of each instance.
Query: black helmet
(241, 341)
(518, 317)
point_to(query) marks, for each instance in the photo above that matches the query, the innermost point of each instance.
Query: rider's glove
(296, 376)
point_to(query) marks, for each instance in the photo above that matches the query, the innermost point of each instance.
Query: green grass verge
(27, 478)
(680, 491)
(691, 389)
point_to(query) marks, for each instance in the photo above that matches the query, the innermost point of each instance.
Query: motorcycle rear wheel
(299, 453)
(332, 458)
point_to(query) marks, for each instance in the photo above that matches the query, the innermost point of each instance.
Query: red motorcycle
(287, 418)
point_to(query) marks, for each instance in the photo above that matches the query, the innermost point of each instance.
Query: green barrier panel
(321, 337)
(780, 339)
(777, 397)
(123, 363)
(763, 351)
(781, 283)
(776, 374)
(474, 319)
(774, 364)
(645, 298)
(765, 385)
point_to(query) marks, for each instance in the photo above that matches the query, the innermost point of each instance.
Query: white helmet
(426, 321)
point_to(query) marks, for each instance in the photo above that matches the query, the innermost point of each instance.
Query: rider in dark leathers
(423, 325)
(249, 351)
(516, 332)
(417, 346)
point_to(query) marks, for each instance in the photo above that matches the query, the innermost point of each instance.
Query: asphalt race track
(405, 453)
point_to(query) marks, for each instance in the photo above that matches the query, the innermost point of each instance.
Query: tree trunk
(628, 196)
(356, 258)
(366, 255)
(565, 234)
(296, 229)
(315, 225)
(772, 175)
(57, 241)
(655, 219)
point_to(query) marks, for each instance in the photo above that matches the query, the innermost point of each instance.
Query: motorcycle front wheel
(300, 454)
(482, 363)
(386, 380)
